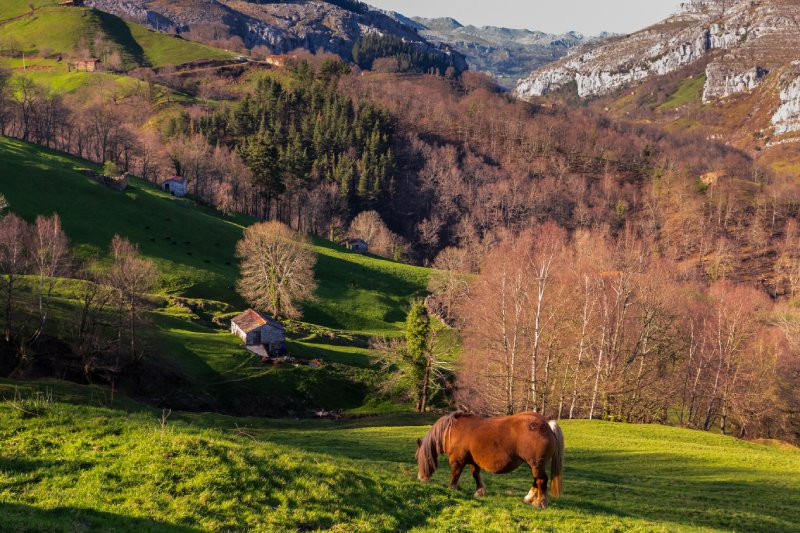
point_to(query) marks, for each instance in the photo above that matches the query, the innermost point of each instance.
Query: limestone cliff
(787, 118)
(743, 41)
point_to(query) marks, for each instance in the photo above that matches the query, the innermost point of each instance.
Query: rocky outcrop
(118, 183)
(726, 80)
(787, 118)
(748, 40)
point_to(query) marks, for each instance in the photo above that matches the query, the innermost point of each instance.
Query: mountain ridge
(507, 54)
(319, 26)
(746, 43)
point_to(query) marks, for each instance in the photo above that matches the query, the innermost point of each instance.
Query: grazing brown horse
(497, 445)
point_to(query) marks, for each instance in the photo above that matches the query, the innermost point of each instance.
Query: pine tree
(418, 350)
(261, 156)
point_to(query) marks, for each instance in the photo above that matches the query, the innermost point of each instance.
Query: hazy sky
(555, 16)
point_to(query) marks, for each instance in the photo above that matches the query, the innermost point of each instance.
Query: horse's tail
(557, 463)
(435, 443)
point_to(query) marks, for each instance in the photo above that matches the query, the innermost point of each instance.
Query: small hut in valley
(256, 328)
(357, 245)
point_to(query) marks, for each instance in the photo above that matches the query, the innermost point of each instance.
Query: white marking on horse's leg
(532, 494)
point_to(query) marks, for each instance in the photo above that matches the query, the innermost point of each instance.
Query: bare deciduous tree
(14, 261)
(132, 277)
(49, 251)
(449, 281)
(277, 268)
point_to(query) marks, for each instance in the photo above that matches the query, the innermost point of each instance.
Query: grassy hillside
(14, 8)
(690, 91)
(67, 466)
(194, 248)
(56, 30)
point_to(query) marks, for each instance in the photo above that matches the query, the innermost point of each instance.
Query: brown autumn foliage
(586, 326)
(605, 257)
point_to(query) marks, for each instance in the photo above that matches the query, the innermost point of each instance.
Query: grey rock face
(749, 39)
(726, 80)
(787, 118)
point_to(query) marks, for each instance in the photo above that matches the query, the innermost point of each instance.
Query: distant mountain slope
(53, 31)
(504, 53)
(744, 46)
(333, 26)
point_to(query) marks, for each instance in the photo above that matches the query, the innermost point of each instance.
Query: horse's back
(501, 444)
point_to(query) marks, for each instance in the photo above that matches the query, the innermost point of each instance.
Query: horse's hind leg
(481, 487)
(456, 467)
(538, 493)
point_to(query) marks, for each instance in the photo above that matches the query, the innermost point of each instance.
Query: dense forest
(293, 140)
(397, 55)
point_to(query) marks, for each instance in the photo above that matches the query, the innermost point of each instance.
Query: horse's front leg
(481, 487)
(456, 467)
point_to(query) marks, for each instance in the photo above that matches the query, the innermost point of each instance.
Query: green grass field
(194, 247)
(80, 464)
(689, 91)
(52, 30)
(14, 8)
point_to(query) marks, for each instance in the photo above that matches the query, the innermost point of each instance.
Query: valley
(615, 245)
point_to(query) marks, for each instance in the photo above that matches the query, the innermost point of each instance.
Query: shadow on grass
(686, 491)
(305, 350)
(18, 517)
(27, 466)
(342, 280)
(658, 487)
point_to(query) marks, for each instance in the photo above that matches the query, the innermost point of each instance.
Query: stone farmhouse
(258, 329)
(88, 64)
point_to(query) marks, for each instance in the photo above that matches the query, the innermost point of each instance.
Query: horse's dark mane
(435, 442)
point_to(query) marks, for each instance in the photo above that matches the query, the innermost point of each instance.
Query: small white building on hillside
(260, 329)
(357, 245)
(175, 185)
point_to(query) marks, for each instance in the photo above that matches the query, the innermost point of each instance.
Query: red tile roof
(250, 320)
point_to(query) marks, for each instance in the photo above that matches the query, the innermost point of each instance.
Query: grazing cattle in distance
(498, 445)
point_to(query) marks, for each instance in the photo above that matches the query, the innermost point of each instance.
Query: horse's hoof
(480, 493)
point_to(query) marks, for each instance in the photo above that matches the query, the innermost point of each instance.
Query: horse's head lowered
(429, 448)
(427, 460)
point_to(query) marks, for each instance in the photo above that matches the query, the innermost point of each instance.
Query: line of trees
(100, 310)
(583, 326)
(444, 163)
